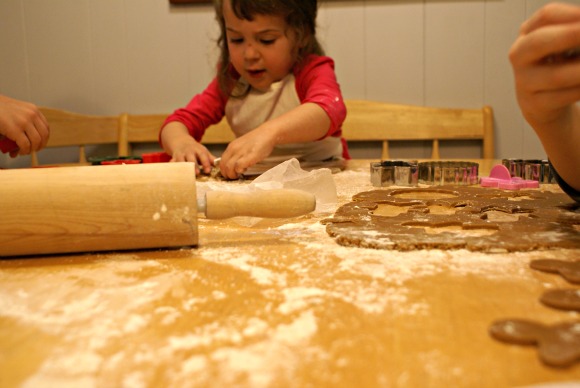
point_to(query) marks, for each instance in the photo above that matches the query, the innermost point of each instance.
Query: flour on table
(219, 316)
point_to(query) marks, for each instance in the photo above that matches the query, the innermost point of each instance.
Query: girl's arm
(548, 84)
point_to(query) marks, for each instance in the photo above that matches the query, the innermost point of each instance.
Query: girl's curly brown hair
(300, 16)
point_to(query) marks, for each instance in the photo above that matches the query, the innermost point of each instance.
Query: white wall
(144, 56)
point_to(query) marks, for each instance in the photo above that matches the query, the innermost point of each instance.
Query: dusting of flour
(222, 315)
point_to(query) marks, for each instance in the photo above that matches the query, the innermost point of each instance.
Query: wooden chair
(136, 128)
(72, 129)
(378, 121)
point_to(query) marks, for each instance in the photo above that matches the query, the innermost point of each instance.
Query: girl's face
(261, 50)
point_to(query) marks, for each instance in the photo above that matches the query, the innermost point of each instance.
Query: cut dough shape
(569, 270)
(558, 345)
(562, 299)
(540, 220)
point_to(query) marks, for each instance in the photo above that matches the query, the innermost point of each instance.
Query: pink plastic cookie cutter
(500, 178)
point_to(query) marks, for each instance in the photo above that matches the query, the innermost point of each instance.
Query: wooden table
(277, 304)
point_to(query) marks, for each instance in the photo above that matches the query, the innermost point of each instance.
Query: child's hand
(23, 123)
(183, 148)
(246, 151)
(194, 152)
(546, 73)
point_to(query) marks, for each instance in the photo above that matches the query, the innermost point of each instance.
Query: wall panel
(110, 68)
(157, 55)
(502, 22)
(395, 51)
(13, 61)
(454, 34)
(59, 54)
(341, 30)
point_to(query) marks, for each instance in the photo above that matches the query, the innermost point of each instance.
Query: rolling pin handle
(280, 203)
(201, 205)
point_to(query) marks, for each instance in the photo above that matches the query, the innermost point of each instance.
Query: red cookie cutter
(156, 157)
(499, 177)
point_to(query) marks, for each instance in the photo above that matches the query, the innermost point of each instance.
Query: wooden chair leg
(123, 144)
(385, 151)
(82, 154)
(435, 151)
(488, 141)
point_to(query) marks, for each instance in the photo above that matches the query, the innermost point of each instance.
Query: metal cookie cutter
(394, 173)
(530, 169)
(448, 173)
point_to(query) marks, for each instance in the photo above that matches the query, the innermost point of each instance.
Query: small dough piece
(558, 345)
(562, 299)
(569, 270)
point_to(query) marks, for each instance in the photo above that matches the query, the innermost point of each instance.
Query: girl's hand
(178, 143)
(246, 151)
(305, 123)
(192, 151)
(547, 83)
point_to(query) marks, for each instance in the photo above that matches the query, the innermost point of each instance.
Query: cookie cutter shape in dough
(438, 173)
(394, 173)
(457, 217)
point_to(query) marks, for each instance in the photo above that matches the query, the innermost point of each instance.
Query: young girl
(277, 90)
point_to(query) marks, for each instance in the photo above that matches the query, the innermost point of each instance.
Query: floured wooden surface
(280, 304)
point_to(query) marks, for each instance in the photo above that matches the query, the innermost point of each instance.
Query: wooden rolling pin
(122, 207)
